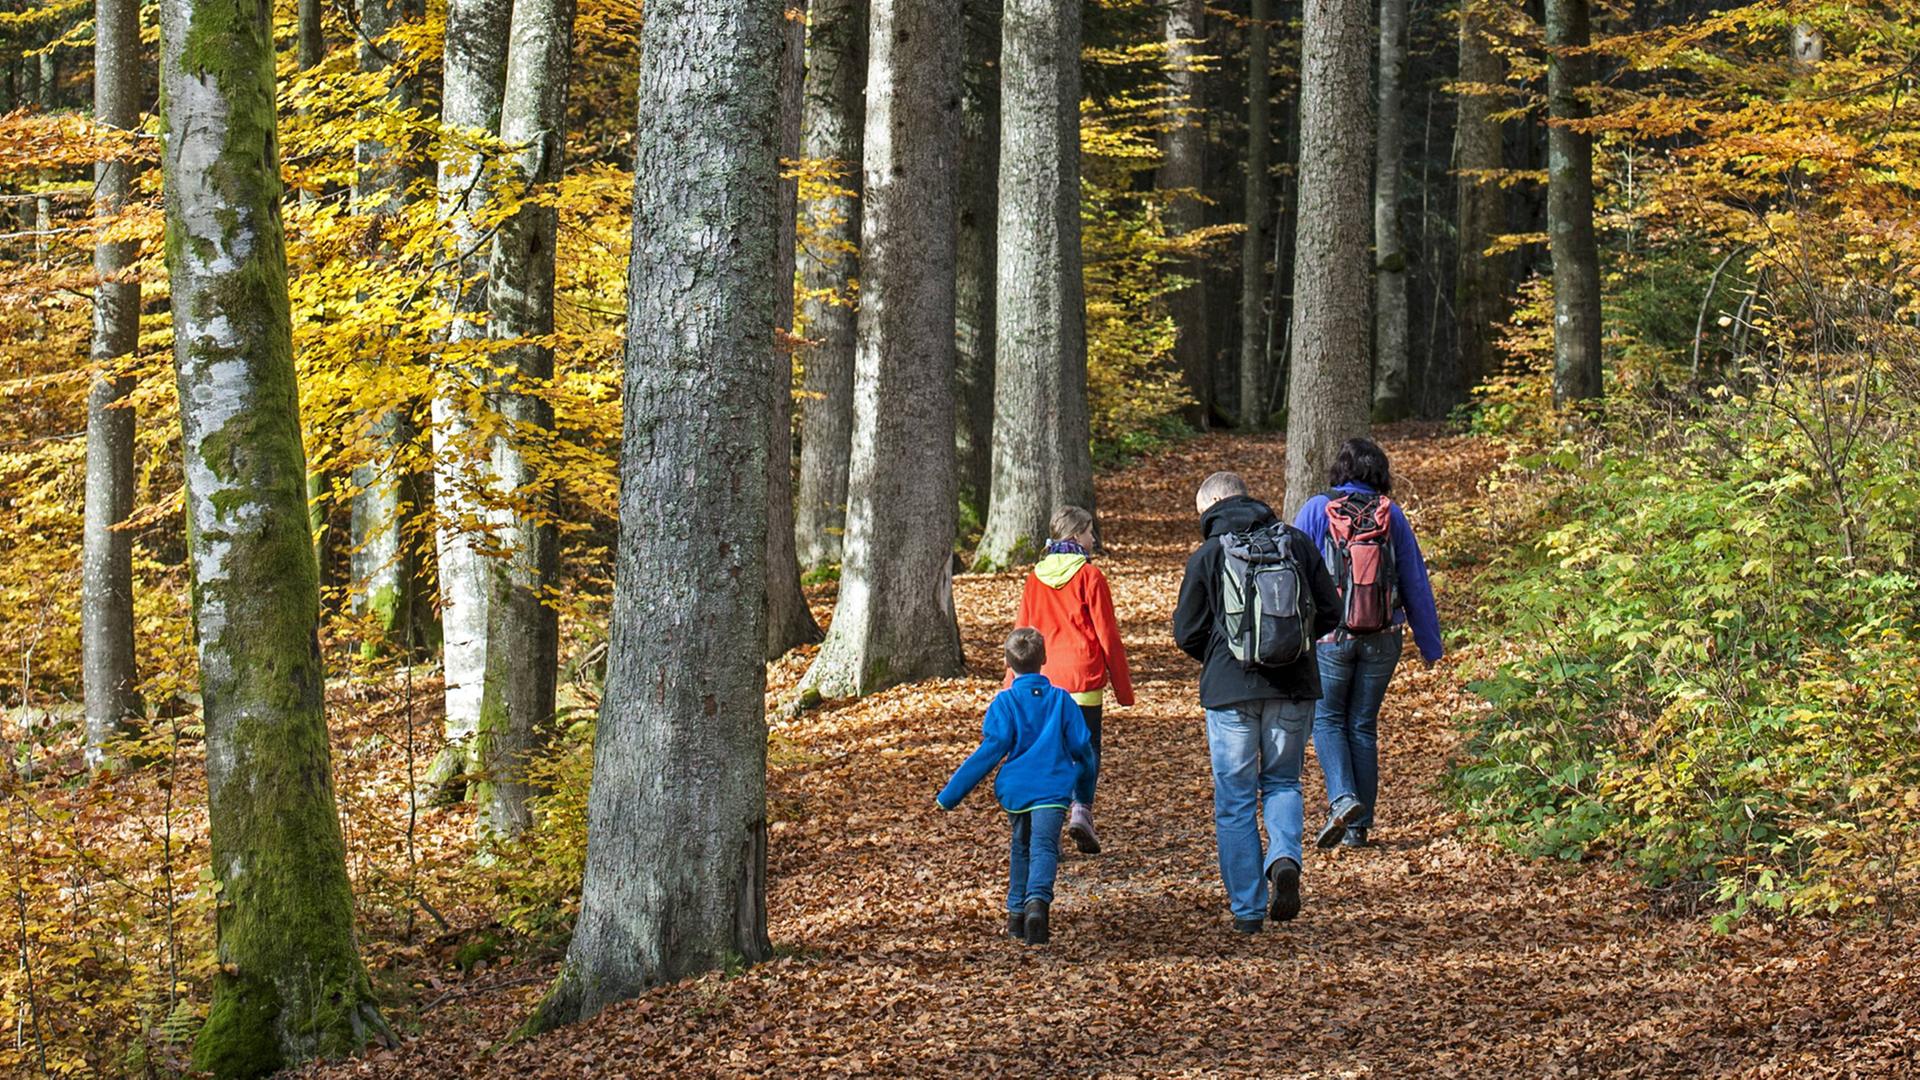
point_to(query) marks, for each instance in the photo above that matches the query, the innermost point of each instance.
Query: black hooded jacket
(1198, 629)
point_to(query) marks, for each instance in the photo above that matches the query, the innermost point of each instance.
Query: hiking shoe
(1345, 809)
(1356, 837)
(1017, 925)
(1249, 926)
(1283, 880)
(1080, 827)
(1036, 923)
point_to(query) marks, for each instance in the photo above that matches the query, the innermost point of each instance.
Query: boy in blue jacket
(1041, 734)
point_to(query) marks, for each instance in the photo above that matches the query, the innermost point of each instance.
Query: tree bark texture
(895, 622)
(1042, 453)
(290, 985)
(1182, 172)
(1576, 254)
(979, 222)
(312, 43)
(1392, 399)
(789, 620)
(1480, 281)
(106, 560)
(473, 83)
(676, 829)
(523, 630)
(1328, 389)
(835, 113)
(1258, 236)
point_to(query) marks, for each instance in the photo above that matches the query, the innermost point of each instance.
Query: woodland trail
(1432, 954)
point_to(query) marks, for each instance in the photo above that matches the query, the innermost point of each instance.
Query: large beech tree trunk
(789, 621)
(1328, 387)
(835, 112)
(895, 621)
(106, 560)
(1042, 457)
(1576, 254)
(676, 824)
(289, 985)
(523, 632)
(1392, 399)
(474, 80)
(1480, 281)
(975, 268)
(1259, 233)
(1182, 171)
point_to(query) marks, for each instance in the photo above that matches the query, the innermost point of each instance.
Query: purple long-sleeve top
(1413, 599)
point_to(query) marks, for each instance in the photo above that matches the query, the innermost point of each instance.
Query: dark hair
(1026, 650)
(1361, 461)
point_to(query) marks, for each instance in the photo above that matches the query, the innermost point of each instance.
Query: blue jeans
(1257, 748)
(1346, 737)
(1035, 855)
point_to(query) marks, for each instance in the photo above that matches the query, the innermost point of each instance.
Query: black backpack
(1266, 605)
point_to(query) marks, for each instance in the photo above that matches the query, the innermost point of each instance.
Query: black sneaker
(1249, 926)
(1283, 880)
(1017, 925)
(1335, 830)
(1036, 923)
(1356, 837)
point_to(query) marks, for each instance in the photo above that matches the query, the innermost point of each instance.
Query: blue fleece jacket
(1041, 734)
(1414, 593)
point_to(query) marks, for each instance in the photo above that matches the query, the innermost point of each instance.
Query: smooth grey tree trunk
(475, 71)
(312, 44)
(1480, 282)
(979, 222)
(1182, 172)
(1042, 453)
(383, 570)
(835, 112)
(676, 823)
(1328, 387)
(523, 630)
(106, 560)
(289, 985)
(1392, 397)
(1576, 254)
(1259, 226)
(789, 620)
(895, 620)
(1807, 46)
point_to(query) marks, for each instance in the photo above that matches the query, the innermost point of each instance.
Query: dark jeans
(1083, 792)
(1353, 682)
(1035, 855)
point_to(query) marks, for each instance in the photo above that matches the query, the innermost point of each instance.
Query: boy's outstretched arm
(996, 739)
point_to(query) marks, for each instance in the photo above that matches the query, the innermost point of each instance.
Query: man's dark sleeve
(1192, 616)
(1326, 602)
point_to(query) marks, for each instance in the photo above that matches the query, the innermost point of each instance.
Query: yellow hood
(1056, 570)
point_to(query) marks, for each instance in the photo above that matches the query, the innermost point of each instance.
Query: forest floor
(1431, 954)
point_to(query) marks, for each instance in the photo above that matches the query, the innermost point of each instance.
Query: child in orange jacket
(1067, 600)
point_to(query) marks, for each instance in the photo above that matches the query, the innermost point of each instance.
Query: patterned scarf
(1066, 547)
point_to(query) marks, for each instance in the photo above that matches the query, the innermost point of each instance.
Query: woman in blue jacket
(1355, 668)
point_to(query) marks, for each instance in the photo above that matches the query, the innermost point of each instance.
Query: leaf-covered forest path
(1431, 954)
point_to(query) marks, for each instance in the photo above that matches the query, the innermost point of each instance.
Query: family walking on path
(1297, 628)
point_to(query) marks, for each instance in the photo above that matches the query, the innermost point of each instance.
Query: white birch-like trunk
(1576, 252)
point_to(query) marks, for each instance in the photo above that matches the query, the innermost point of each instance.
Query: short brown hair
(1026, 651)
(1071, 521)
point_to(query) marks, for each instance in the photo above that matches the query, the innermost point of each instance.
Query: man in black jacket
(1257, 717)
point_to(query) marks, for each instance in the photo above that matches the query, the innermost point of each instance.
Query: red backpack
(1359, 554)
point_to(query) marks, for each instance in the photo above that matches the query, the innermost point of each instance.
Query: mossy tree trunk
(1392, 399)
(835, 112)
(676, 826)
(895, 621)
(475, 71)
(1576, 253)
(1183, 147)
(290, 985)
(1480, 280)
(976, 256)
(1258, 237)
(523, 633)
(106, 560)
(1042, 457)
(789, 620)
(1329, 389)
